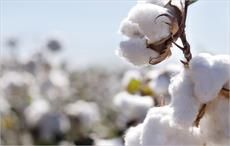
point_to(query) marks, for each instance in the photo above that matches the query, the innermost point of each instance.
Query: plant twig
(200, 115)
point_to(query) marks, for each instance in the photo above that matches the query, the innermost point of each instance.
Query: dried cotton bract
(152, 26)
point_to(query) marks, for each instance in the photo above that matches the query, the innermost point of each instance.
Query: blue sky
(89, 27)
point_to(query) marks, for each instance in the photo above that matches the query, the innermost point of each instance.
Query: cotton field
(148, 100)
(43, 103)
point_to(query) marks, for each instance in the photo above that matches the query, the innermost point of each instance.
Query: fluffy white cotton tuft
(209, 74)
(87, 112)
(130, 29)
(59, 78)
(131, 107)
(184, 103)
(145, 16)
(34, 112)
(159, 129)
(215, 124)
(135, 51)
(132, 136)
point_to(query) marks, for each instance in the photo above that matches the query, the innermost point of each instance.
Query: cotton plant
(198, 113)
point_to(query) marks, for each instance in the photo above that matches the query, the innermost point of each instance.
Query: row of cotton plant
(198, 110)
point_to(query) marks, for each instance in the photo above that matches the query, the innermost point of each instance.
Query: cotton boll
(59, 78)
(184, 104)
(35, 111)
(86, 112)
(159, 129)
(131, 107)
(16, 87)
(145, 16)
(136, 52)
(209, 74)
(130, 29)
(215, 123)
(132, 136)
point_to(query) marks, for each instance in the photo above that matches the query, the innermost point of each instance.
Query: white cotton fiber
(135, 51)
(109, 142)
(34, 112)
(145, 16)
(184, 104)
(132, 136)
(130, 29)
(87, 112)
(209, 74)
(159, 129)
(131, 107)
(215, 125)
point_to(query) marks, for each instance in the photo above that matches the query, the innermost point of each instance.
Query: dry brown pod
(177, 15)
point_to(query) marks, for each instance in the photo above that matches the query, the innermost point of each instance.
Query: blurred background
(61, 82)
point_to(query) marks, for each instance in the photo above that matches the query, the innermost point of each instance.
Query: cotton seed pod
(160, 23)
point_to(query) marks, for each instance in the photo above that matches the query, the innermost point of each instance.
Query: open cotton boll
(130, 29)
(215, 124)
(184, 103)
(209, 74)
(145, 16)
(59, 78)
(159, 129)
(36, 110)
(131, 107)
(87, 112)
(133, 135)
(136, 52)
